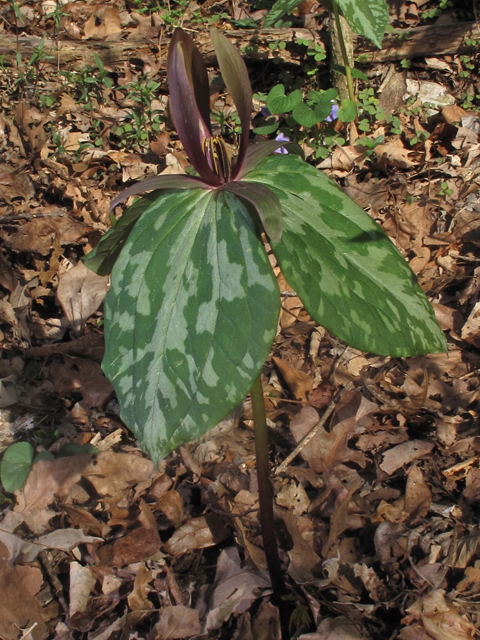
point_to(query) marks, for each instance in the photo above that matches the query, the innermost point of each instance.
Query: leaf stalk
(346, 63)
(265, 496)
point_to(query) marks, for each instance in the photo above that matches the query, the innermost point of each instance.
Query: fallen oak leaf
(80, 292)
(19, 608)
(303, 558)
(393, 155)
(138, 598)
(326, 449)
(177, 622)
(234, 588)
(340, 628)
(82, 582)
(404, 453)
(198, 533)
(440, 618)
(299, 383)
(418, 496)
(28, 550)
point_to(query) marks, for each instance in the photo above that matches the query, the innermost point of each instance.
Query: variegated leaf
(368, 18)
(105, 254)
(190, 317)
(350, 277)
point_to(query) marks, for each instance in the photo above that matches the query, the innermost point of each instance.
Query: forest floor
(378, 516)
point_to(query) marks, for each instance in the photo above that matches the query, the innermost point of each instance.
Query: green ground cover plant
(193, 306)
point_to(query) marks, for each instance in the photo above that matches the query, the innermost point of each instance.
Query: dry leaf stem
(311, 434)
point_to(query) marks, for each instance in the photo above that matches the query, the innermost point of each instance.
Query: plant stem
(346, 63)
(265, 492)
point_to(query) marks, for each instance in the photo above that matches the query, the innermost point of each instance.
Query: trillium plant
(193, 306)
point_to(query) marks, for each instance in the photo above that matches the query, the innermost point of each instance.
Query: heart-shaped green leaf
(16, 465)
(350, 277)
(347, 112)
(305, 116)
(189, 318)
(278, 102)
(308, 116)
(105, 254)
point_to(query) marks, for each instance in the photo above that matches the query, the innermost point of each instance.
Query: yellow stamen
(216, 153)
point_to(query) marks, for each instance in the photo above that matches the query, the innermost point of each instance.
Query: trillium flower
(193, 306)
(208, 154)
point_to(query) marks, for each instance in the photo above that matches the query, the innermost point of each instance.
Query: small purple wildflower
(333, 113)
(282, 138)
(265, 112)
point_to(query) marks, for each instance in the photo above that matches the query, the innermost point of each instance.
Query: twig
(14, 217)
(311, 434)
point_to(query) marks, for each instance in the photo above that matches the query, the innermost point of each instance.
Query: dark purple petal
(265, 202)
(258, 152)
(160, 182)
(189, 96)
(235, 74)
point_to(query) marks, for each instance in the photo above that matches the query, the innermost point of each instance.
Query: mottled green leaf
(265, 203)
(356, 73)
(368, 18)
(105, 254)
(261, 150)
(189, 318)
(350, 277)
(279, 9)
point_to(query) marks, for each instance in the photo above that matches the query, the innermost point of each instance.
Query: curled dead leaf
(417, 496)
(81, 292)
(440, 618)
(199, 533)
(404, 453)
(299, 383)
(392, 155)
(177, 622)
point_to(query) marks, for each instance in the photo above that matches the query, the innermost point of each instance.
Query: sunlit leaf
(309, 117)
(278, 102)
(189, 318)
(105, 254)
(265, 203)
(368, 18)
(169, 181)
(279, 9)
(256, 153)
(356, 73)
(350, 277)
(347, 112)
